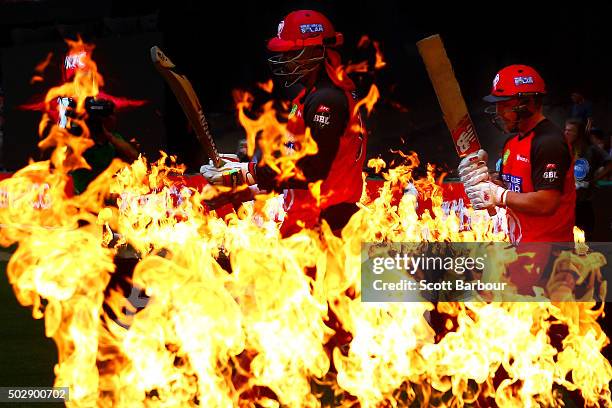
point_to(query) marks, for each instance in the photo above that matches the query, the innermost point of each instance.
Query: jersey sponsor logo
(581, 169)
(523, 80)
(522, 158)
(514, 183)
(505, 157)
(550, 172)
(322, 108)
(311, 28)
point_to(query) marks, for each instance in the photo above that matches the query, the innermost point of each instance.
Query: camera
(97, 110)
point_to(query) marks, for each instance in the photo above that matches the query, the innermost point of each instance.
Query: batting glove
(232, 173)
(486, 195)
(473, 168)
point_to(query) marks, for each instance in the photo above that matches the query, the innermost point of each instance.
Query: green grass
(27, 357)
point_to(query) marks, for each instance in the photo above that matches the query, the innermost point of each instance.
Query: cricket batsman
(306, 55)
(536, 184)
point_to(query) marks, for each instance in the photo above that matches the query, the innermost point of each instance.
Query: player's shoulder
(328, 95)
(547, 134)
(546, 129)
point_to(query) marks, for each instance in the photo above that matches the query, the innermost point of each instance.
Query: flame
(281, 323)
(364, 41)
(364, 66)
(369, 101)
(380, 62)
(272, 137)
(358, 67)
(85, 81)
(267, 86)
(68, 149)
(40, 69)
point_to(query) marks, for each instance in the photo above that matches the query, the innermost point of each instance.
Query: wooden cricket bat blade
(189, 101)
(449, 96)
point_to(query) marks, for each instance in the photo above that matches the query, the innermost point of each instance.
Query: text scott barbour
(450, 285)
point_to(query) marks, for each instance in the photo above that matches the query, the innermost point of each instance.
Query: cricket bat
(187, 98)
(451, 101)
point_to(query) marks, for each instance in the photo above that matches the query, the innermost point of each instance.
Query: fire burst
(286, 327)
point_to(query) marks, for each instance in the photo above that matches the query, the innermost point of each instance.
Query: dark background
(221, 46)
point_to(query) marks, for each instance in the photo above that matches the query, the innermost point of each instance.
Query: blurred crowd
(592, 158)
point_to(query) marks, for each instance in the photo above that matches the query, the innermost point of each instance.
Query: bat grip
(492, 212)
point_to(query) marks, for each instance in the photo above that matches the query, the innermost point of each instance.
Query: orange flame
(267, 86)
(364, 41)
(380, 63)
(283, 323)
(358, 67)
(86, 82)
(364, 66)
(272, 138)
(40, 69)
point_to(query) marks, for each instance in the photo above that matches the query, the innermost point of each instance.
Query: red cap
(304, 28)
(515, 80)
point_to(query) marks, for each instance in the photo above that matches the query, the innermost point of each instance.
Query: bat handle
(492, 212)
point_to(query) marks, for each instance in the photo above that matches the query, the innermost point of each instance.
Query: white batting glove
(473, 168)
(487, 195)
(232, 173)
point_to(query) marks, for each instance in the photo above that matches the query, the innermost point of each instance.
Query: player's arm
(326, 114)
(543, 202)
(551, 161)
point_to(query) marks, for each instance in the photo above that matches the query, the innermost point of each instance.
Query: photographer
(101, 121)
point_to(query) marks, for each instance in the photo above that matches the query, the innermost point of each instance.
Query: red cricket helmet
(303, 28)
(515, 81)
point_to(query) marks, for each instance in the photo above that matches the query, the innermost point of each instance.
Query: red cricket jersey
(321, 111)
(536, 161)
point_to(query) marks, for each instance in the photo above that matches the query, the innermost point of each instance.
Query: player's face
(292, 60)
(506, 110)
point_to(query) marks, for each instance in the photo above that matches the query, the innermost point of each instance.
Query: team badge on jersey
(550, 172)
(321, 116)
